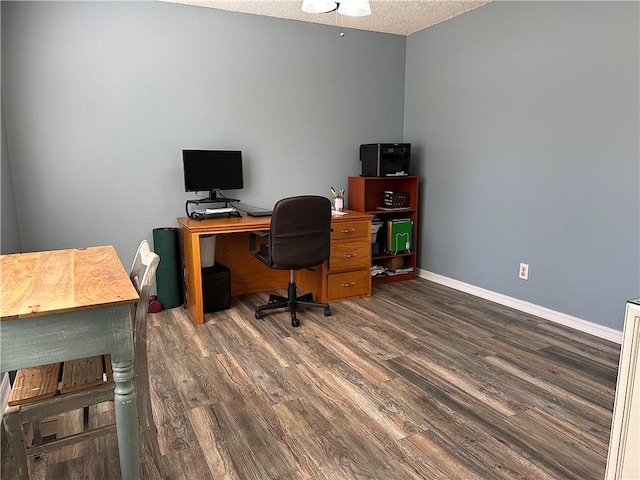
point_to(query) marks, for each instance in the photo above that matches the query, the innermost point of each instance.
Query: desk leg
(126, 419)
(195, 303)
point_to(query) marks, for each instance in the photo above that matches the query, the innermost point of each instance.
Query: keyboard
(260, 213)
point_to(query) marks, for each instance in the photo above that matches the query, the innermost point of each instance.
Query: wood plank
(416, 382)
(510, 431)
(17, 281)
(39, 283)
(243, 430)
(34, 384)
(82, 373)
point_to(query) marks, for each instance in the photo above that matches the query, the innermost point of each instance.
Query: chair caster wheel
(327, 312)
(258, 315)
(295, 322)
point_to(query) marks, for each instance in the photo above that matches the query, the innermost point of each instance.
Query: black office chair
(299, 237)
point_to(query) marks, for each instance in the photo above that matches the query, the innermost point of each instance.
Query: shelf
(393, 210)
(382, 256)
(393, 278)
(365, 194)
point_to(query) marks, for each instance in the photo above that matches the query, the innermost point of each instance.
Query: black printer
(385, 159)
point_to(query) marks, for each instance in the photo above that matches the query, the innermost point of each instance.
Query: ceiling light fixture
(350, 8)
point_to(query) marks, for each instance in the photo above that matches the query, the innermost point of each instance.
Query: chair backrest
(145, 263)
(136, 267)
(142, 276)
(300, 232)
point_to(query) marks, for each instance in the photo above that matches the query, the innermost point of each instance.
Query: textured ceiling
(399, 17)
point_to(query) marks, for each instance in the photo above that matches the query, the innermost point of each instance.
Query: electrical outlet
(523, 273)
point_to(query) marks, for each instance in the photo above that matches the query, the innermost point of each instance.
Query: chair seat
(37, 383)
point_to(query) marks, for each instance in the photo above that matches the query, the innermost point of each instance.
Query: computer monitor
(212, 170)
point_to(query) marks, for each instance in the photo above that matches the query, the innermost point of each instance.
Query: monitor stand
(214, 197)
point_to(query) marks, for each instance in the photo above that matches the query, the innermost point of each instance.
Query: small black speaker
(216, 288)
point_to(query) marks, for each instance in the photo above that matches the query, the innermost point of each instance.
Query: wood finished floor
(417, 382)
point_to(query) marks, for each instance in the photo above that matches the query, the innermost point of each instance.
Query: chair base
(291, 301)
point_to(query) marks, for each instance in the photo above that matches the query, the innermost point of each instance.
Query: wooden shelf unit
(364, 194)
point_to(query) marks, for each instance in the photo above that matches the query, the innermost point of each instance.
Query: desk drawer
(349, 284)
(350, 256)
(350, 230)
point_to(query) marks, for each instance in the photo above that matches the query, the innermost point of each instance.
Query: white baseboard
(5, 390)
(542, 312)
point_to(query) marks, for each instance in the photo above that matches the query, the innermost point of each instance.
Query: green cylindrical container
(168, 274)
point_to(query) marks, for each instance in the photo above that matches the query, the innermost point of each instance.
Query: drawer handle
(347, 285)
(347, 230)
(350, 255)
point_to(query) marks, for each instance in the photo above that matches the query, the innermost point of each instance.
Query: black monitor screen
(210, 170)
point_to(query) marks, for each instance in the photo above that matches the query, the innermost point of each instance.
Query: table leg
(126, 419)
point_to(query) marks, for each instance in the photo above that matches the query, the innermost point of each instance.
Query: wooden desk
(67, 304)
(347, 274)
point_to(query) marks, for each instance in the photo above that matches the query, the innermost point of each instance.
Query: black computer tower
(216, 288)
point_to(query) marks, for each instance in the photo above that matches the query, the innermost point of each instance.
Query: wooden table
(346, 275)
(67, 304)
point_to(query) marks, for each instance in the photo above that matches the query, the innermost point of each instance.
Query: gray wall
(100, 99)
(523, 116)
(525, 120)
(9, 229)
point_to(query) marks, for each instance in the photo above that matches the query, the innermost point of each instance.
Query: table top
(44, 283)
(246, 223)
